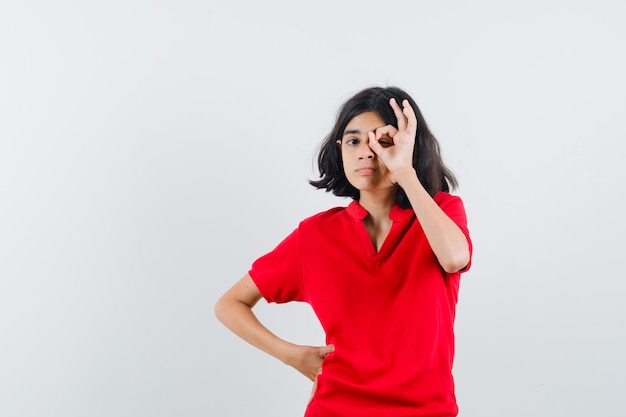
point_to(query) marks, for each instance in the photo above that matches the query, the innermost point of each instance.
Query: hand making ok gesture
(399, 154)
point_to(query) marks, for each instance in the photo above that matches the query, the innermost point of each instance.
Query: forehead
(365, 122)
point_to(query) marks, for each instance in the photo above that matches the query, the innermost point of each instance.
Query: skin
(377, 158)
(446, 239)
(366, 172)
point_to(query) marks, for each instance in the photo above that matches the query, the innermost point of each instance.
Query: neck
(377, 223)
(378, 206)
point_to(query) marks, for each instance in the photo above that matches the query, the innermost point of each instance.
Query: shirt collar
(397, 214)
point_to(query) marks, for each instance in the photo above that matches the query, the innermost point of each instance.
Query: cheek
(344, 154)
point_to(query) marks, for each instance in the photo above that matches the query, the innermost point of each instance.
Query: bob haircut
(429, 166)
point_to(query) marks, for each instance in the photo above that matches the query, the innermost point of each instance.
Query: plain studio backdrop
(150, 151)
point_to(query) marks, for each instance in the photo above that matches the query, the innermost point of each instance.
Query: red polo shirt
(390, 314)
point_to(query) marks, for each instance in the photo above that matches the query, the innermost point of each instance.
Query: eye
(385, 141)
(352, 141)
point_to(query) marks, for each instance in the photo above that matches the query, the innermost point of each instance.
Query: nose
(365, 152)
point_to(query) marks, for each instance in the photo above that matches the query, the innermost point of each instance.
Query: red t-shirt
(390, 314)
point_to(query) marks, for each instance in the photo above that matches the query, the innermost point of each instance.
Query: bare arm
(446, 239)
(234, 310)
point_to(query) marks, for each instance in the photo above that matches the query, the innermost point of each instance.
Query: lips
(366, 170)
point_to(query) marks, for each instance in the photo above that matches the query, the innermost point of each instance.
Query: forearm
(445, 238)
(234, 309)
(239, 318)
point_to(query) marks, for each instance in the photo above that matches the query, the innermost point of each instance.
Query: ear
(338, 143)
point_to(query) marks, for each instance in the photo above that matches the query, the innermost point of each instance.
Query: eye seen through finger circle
(385, 141)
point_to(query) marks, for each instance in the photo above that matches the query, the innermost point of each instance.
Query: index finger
(402, 122)
(411, 117)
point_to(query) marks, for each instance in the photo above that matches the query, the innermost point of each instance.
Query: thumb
(326, 350)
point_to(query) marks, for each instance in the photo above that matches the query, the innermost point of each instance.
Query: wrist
(288, 353)
(405, 176)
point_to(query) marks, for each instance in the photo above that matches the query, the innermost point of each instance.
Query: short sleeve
(453, 206)
(278, 274)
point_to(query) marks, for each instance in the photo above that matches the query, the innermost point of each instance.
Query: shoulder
(445, 199)
(453, 206)
(325, 217)
(325, 220)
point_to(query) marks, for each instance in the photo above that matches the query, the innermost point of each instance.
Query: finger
(402, 124)
(388, 130)
(410, 116)
(374, 144)
(326, 350)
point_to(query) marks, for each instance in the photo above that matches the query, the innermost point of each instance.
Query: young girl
(382, 274)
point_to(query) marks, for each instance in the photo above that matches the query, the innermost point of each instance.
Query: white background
(151, 150)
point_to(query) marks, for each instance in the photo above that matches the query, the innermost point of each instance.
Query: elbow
(240, 297)
(220, 309)
(456, 262)
(227, 308)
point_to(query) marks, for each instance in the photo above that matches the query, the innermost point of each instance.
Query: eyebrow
(357, 131)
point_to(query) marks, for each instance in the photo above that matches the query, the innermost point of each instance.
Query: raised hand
(394, 146)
